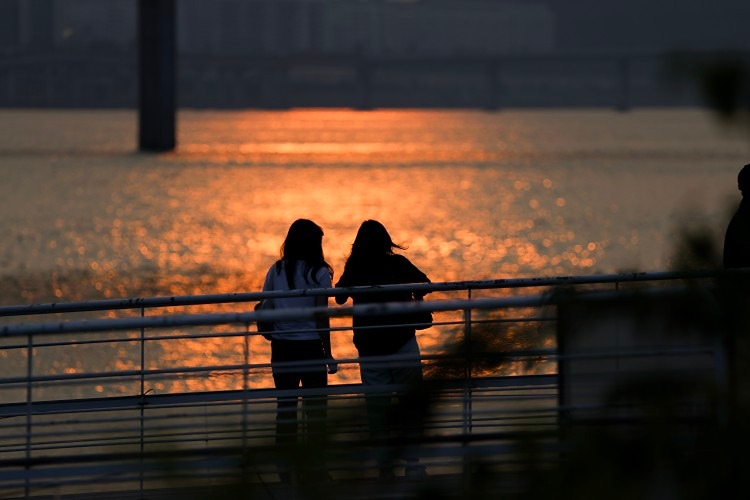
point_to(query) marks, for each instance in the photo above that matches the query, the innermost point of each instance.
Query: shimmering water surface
(474, 195)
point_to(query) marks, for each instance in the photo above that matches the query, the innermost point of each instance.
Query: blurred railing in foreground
(101, 396)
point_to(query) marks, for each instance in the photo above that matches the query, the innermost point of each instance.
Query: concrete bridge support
(156, 101)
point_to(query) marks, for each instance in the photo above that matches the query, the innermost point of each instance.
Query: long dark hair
(303, 243)
(372, 242)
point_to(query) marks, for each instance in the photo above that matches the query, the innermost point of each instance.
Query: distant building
(50, 25)
(348, 27)
(651, 25)
(230, 28)
(10, 30)
(95, 24)
(243, 27)
(36, 24)
(467, 27)
(218, 39)
(222, 27)
(233, 27)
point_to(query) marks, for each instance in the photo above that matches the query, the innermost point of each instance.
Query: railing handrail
(251, 317)
(245, 318)
(221, 403)
(446, 286)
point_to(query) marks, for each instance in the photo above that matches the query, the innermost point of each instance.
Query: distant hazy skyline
(644, 24)
(217, 41)
(496, 26)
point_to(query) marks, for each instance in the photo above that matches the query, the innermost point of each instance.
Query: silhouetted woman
(737, 237)
(373, 262)
(302, 265)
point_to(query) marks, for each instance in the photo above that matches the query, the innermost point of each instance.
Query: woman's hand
(333, 366)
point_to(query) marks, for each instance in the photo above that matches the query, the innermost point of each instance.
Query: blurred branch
(723, 79)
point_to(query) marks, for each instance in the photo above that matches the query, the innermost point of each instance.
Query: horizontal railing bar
(154, 338)
(217, 418)
(196, 433)
(135, 338)
(197, 400)
(130, 457)
(217, 415)
(218, 430)
(163, 425)
(391, 360)
(158, 401)
(223, 430)
(212, 319)
(362, 310)
(207, 299)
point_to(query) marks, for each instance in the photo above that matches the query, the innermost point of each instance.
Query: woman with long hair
(373, 261)
(297, 344)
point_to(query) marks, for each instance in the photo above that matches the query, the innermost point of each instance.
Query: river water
(473, 194)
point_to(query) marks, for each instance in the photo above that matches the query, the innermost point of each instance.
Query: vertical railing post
(723, 376)
(467, 417)
(468, 365)
(245, 387)
(617, 322)
(29, 410)
(143, 398)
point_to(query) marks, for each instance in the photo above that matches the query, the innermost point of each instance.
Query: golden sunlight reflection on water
(250, 211)
(473, 195)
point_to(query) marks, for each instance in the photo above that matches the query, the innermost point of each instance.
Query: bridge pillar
(156, 101)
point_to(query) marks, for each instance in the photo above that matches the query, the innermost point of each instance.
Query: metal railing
(136, 401)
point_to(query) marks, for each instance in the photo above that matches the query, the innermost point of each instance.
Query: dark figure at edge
(737, 238)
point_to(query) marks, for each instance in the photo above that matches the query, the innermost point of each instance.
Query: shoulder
(350, 274)
(276, 268)
(268, 283)
(323, 277)
(402, 260)
(408, 269)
